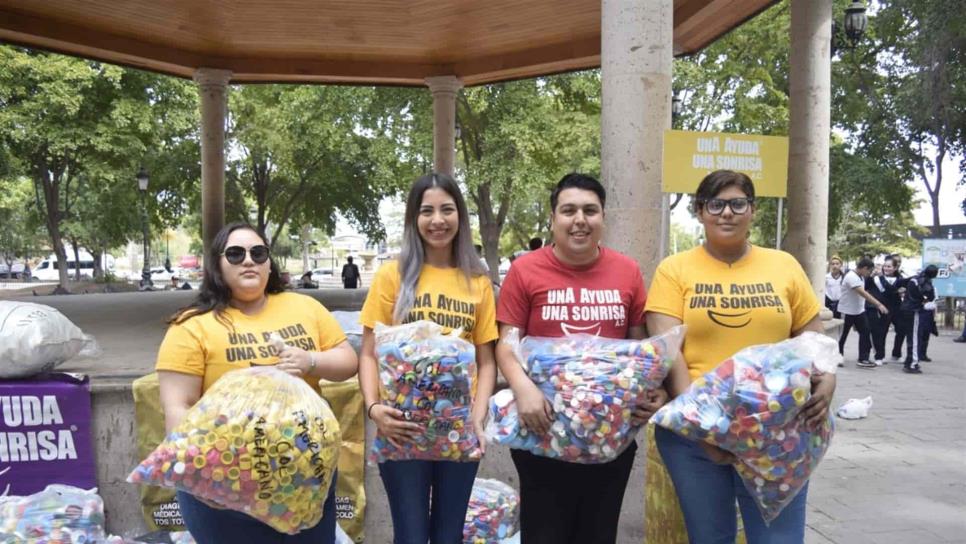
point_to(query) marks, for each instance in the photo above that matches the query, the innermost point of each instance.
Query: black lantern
(676, 103)
(146, 284)
(855, 22)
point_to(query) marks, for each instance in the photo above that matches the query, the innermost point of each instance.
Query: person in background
(833, 285)
(479, 253)
(535, 243)
(884, 288)
(918, 315)
(350, 275)
(852, 307)
(306, 281)
(896, 319)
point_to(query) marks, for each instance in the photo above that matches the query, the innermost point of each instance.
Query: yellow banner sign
(689, 156)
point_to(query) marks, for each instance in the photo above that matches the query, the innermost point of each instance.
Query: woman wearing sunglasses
(229, 325)
(731, 294)
(438, 277)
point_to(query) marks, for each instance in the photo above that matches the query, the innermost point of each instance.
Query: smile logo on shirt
(732, 321)
(573, 329)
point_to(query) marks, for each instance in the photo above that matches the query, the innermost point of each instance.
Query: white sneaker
(879, 362)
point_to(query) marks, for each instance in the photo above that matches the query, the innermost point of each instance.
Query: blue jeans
(212, 526)
(409, 485)
(707, 493)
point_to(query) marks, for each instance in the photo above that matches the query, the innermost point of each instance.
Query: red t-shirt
(545, 297)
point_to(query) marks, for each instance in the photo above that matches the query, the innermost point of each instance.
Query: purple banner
(45, 433)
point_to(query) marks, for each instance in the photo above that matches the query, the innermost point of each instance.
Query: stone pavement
(900, 474)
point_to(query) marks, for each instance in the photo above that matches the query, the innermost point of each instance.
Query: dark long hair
(412, 255)
(215, 294)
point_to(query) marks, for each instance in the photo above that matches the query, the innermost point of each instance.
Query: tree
(516, 140)
(310, 152)
(904, 90)
(21, 230)
(72, 124)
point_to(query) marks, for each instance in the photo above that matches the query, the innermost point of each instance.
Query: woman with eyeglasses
(731, 294)
(438, 277)
(229, 325)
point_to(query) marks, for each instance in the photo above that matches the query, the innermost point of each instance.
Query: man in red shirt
(575, 285)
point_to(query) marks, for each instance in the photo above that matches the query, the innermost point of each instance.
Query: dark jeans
(861, 324)
(409, 486)
(833, 305)
(879, 326)
(213, 526)
(707, 493)
(571, 503)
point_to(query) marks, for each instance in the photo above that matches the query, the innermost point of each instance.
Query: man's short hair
(577, 181)
(865, 262)
(535, 243)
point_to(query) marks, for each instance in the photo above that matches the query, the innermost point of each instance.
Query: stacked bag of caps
(593, 385)
(430, 377)
(259, 441)
(59, 513)
(492, 514)
(749, 405)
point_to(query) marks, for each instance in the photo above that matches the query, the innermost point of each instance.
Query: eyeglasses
(236, 254)
(715, 206)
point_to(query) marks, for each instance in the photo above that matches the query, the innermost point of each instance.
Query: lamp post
(676, 104)
(853, 25)
(142, 177)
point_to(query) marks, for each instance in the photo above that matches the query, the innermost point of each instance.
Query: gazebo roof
(396, 42)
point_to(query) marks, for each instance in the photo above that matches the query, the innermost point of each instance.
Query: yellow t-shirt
(760, 299)
(443, 296)
(203, 346)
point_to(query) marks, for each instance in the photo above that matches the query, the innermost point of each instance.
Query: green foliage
(901, 90)
(310, 152)
(517, 140)
(79, 129)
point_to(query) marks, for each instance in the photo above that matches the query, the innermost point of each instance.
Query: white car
(16, 270)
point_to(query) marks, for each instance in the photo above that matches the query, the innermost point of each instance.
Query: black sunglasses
(236, 254)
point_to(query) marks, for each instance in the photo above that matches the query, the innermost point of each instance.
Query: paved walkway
(900, 474)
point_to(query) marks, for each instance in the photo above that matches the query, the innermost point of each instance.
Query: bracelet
(369, 410)
(311, 362)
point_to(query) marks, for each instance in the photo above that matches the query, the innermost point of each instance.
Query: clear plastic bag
(59, 513)
(35, 338)
(593, 385)
(429, 376)
(259, 441)
(492, 514)
(749, 405)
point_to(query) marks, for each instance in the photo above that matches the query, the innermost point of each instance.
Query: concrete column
(213, 89)
(636, 54)
(809, 125)
(444, 89)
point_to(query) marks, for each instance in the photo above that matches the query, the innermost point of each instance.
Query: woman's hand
(295, 361)
(717, 455)
(479, 417)
(533, 408)
(654, 399)
(814, 412)
(393, 426)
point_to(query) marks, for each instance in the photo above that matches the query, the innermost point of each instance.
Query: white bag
(855, 408)
(35, 338)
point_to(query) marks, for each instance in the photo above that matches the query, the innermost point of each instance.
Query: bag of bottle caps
(492, 514)
(593, 385)
(59, 513)
(430, 377)
(749, 405)
(259, 441)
